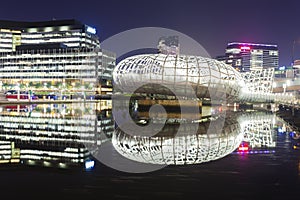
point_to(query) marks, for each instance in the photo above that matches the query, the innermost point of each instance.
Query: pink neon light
(244, 48)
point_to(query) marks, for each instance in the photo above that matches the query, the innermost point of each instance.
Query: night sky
(211, 23)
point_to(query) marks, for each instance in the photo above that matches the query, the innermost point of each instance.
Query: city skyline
(213, 24)
(155, 114)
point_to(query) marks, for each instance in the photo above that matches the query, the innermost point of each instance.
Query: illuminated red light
(245, 48)
(243, 147)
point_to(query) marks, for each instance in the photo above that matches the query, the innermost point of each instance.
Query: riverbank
(4, 101)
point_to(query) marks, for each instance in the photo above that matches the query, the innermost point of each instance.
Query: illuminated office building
(249, 56)
(70, 32)
(62, 54)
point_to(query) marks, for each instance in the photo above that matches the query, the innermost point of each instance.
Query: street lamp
(293, 49)
(293, 52)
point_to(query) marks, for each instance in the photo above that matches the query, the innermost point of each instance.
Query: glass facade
(70, 32)
(9, 39)
(52, 56)
(54, 70)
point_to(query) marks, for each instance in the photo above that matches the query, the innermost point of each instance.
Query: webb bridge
(186, 76)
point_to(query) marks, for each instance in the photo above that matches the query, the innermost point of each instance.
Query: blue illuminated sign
(282, 68)
(91, 30)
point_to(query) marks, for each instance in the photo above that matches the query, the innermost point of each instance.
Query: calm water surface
(270, 169)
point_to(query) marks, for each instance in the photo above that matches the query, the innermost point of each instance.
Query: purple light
(252, 44)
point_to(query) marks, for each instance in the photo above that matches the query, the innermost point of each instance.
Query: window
(273, 53)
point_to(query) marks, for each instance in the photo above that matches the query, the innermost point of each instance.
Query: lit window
(273, 53)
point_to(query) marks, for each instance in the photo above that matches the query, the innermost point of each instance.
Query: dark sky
(211, 23)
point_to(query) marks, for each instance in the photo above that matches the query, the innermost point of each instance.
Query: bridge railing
(284, 98)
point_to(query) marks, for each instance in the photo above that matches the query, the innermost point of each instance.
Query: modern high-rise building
(70, 32)
(250, 56)
(53, 55)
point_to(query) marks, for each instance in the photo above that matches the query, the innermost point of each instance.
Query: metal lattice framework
(208, 77)
(171, 149)
(178, 73)
(259, 80)
(258, 129)
(259, 84)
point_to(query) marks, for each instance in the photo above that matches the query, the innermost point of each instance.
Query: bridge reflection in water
(199, 144)
(168, 147)
(69, 135)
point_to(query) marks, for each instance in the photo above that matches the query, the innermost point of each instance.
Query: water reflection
(52, 135)
(254, 130)
(68, 135)
(168, 147)
(258, 128)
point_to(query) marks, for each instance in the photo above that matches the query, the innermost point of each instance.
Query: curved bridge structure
(182, 73)
(190, 76)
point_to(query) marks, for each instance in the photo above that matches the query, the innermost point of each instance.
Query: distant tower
(168, 45)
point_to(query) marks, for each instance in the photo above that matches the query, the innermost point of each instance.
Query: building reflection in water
(53, 135)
